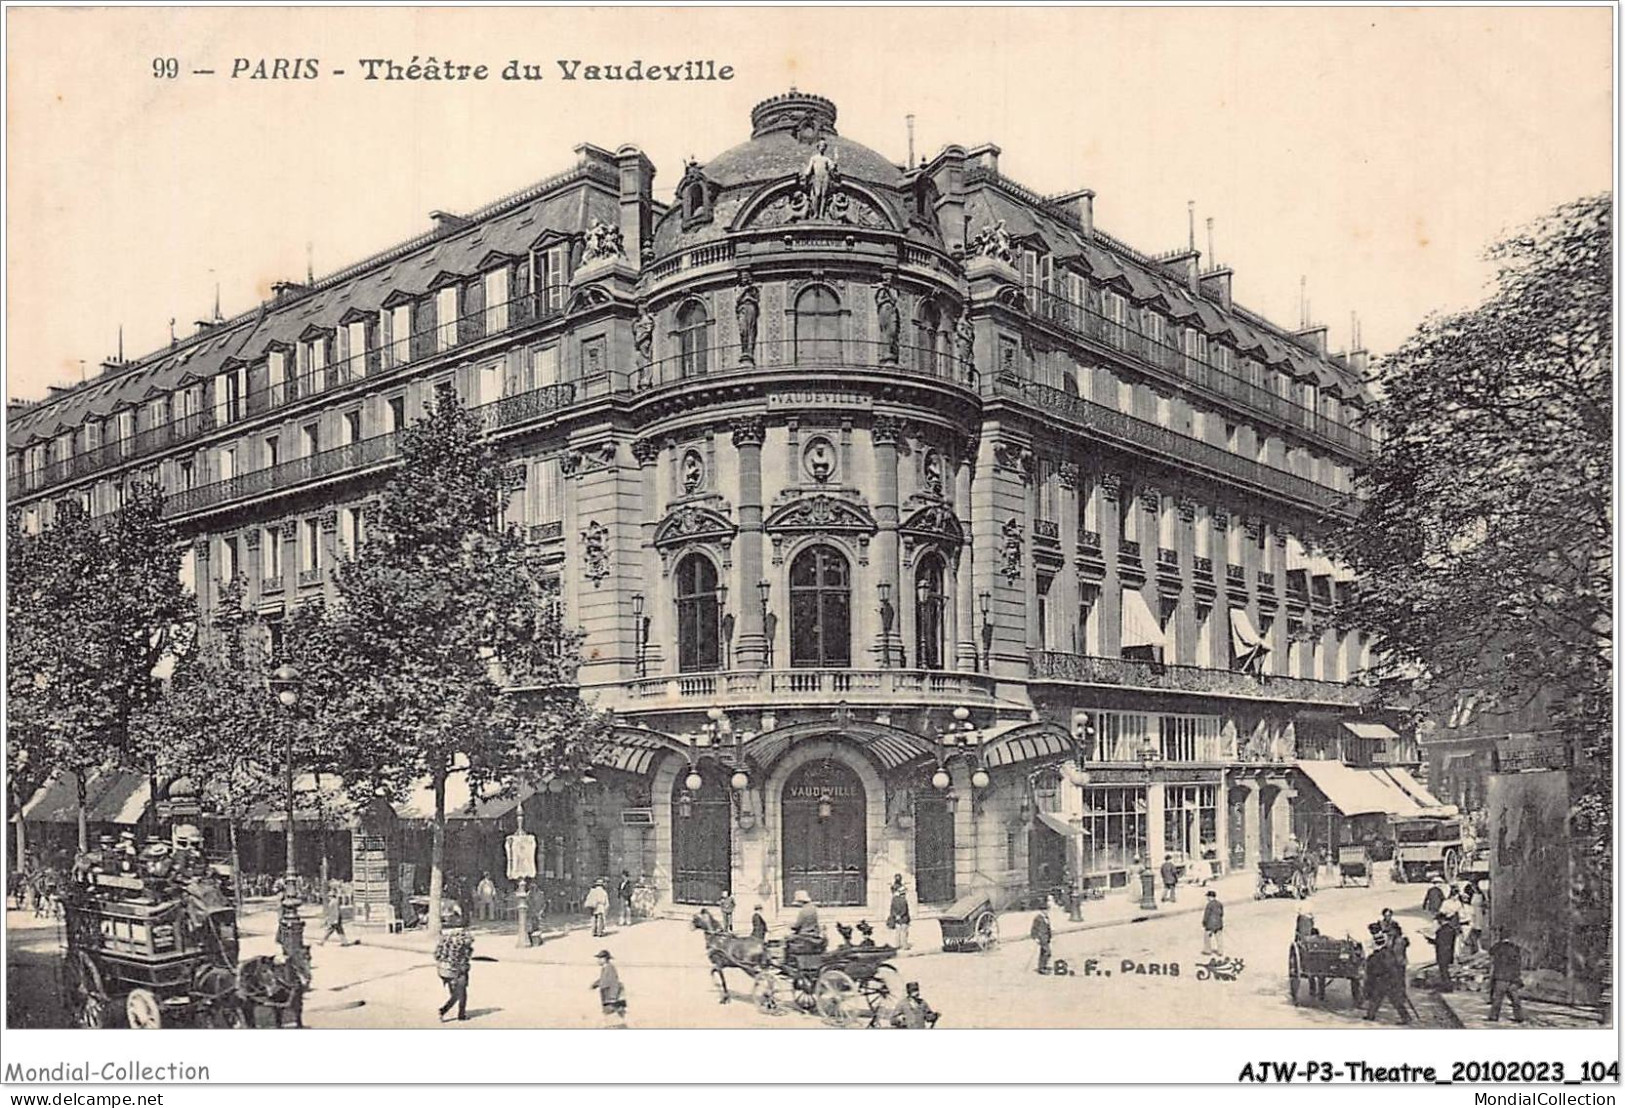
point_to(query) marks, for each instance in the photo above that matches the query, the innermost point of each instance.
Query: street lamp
(888, 616)
(763, 588)
(285, 682)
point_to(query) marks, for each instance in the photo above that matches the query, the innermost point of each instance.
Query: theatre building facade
(916, 525)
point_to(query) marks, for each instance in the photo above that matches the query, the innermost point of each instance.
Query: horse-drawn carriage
(161, 953)
(1354, 865)
(852, 984)
(1286, 877)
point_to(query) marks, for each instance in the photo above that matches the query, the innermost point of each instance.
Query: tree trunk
(437, 854)
(236, 864)
(150, 816)
(81, 788)
(22, 842)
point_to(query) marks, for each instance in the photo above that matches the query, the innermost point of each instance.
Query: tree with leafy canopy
(218, 723)
(1484, 546)
(92, 607)
(441, 609)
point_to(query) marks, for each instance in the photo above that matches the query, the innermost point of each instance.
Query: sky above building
(1363, 158)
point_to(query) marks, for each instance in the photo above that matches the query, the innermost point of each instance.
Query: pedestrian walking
(1506, 978)
(611, 995)
(898, 919)
(1433, 899)
(758, 924)
(1041, 934)
(726, 905)
(1384, 977)
(453, 956)
(1478, 920)
(485, 898)
(597, 903)
(1170, 879)
(333, 917)
(625, 891)
(1446, 929)
(1213, 925)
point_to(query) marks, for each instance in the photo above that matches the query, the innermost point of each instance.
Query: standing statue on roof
(993, 242)
(819, 179)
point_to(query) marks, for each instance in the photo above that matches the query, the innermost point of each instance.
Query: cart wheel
(987, 931)
(227, 1015)
(1292, 973)
(836, 996)
(763, 990)
(142, 1010)
(884, 994)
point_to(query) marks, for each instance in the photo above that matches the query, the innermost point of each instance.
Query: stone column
(1064, 592)
(1154, 799)
(966, 649)
(1184, 620)
(657, 607)
(886, 433)
(1109, 610)
(750, 650)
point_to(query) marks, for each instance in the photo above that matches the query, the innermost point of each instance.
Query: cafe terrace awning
(1007, 744)
(1361, 729)
(1140, 627)
(1060, 826)
(111, 796)
(1361, 792)
(1402, 780)
(635, 750)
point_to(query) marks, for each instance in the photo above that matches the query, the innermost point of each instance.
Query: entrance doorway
(933, 850)
(701, 838)
(1238, 828)
(1046, 859)
(824, 834)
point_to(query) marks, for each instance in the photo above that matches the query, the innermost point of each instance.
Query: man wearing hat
(1041, 933)
(1384, 977)
(453, 956)
(758, 924)
(597, 903)
(1213, 925)
(610, 993)
(898, 919)
(806, 935)
(914, 1013)
(1433, 899)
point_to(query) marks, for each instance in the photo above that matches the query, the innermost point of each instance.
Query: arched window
(929, 605)
(699, 645)
(820, 608)
(818, 325)
(926, 328)
(692, 340)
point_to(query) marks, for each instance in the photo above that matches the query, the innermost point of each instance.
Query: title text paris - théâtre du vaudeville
(431, 68)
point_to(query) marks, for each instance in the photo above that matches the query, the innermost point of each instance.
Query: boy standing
(610, 993)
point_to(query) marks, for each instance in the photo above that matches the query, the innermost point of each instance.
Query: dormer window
(695, 194)
(555, 276)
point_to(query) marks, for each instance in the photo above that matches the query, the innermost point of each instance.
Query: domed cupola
(804, 116)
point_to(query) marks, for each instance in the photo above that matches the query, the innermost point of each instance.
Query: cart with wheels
(1293, 877)
(969, 924)
(1315, 959)
(1353, 865)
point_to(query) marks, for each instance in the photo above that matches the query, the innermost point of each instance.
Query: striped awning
(635, 750)
(892, 747)
(111, 796)
(1012, 743)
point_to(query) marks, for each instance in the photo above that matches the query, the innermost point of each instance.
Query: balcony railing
(1047, 529)
(1236, 575)
(271, 584)
(1089, 540)
(1204, 568)
(811, 356)
(1128, 550)
(1084, 669)
(489, 321)
(1171, 444)
(858, 686)
(1201, 372)
(1266, 581)
(310, 576)
(1167, 558)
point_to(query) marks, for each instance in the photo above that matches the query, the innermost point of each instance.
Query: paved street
(668, 983)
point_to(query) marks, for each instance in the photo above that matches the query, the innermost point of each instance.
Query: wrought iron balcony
(546, 532)
(271, 584)
(1181, 449)
(809, 358)
(1084, 669)
(1047, 530)
(311, 576)
(1167, 558)
(1089, 540)
(786, 687)
(1236, 575)
(1200, 372)
(1266, 581)
(1204, 568)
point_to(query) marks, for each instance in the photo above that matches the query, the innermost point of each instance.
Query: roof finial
(172, 330)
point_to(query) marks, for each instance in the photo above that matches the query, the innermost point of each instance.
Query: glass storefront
(1114, 832)
(1190, 821)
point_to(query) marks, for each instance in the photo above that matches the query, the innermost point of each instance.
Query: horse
(728, 951)
(274, 984)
